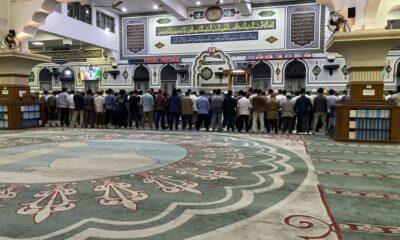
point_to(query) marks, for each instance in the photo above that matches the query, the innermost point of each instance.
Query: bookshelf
(375, 121)
(3, 116)
(369, 124)
(30, 116)
(18, 109)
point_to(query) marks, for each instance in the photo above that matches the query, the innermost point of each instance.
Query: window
(105, 21)
(80, 12)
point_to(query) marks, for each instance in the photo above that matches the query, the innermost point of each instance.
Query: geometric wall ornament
(388, 69)
(345, 71)
(206, 73)
(125, 74)
(316, 71)
(268, 13)
(163, 20)
(105, 74)
(197, 15)
(230, 12)
(159, 45)
(278, 71)
(271, 39)
(105, 53)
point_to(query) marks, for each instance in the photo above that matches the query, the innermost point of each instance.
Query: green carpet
(362, 185)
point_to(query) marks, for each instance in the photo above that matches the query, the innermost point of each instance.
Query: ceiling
(52, 41)
(141, 6)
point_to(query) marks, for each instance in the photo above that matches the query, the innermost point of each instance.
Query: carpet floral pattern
(158, 185)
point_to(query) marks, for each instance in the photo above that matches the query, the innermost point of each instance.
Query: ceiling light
(198, 3)
(38, 43)
(155, 6)
(124, 9)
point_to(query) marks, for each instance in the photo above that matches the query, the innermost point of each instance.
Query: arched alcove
(295, 75)
(168, 77)
(45, 75)
(45, 79)
(67, 78)
(262, 74)
(141, 77)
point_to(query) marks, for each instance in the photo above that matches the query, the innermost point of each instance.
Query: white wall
(22, 12)
(68, 27)
(4, 22)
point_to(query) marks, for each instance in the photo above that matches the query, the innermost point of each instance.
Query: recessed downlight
(124, 9)
(38, 43)
(155, 6)
(198, 3)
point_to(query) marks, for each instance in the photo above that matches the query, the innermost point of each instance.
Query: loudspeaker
(351, 12)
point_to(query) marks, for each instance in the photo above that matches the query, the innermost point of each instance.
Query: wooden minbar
(366, 116)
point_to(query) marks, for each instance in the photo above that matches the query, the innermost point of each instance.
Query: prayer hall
(200, 119)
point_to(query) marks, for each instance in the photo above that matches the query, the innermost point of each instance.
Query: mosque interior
(109, 181)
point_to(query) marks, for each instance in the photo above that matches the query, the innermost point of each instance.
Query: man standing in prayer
(187, 111)
(79, 109)
(194, 99)
(53, 109)
(287, 113)
(332, 101)
(272, 114)
(203, 106)
(229, 106)
(147, 103)
(320, 110)
(110, 100)
(174, 108)
(259, 105)
(216, 107)
(71, 106)
(303, 108)
(161, 108)
(99, 104)
(63, 105)
(243, 112)
(134, 109)
(89, 108)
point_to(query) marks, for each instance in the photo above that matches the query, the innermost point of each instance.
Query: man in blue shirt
(203, 106)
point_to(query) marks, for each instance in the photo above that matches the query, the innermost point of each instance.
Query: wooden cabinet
(367, 121)
(18, 109)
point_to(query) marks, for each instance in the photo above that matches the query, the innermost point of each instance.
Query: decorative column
(18, 109)
(366, 116)
(365, 53)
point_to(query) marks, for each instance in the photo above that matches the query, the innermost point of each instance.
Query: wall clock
(214, 14)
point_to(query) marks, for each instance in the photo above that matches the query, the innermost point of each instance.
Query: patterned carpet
(362, 185)
(95, 184)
